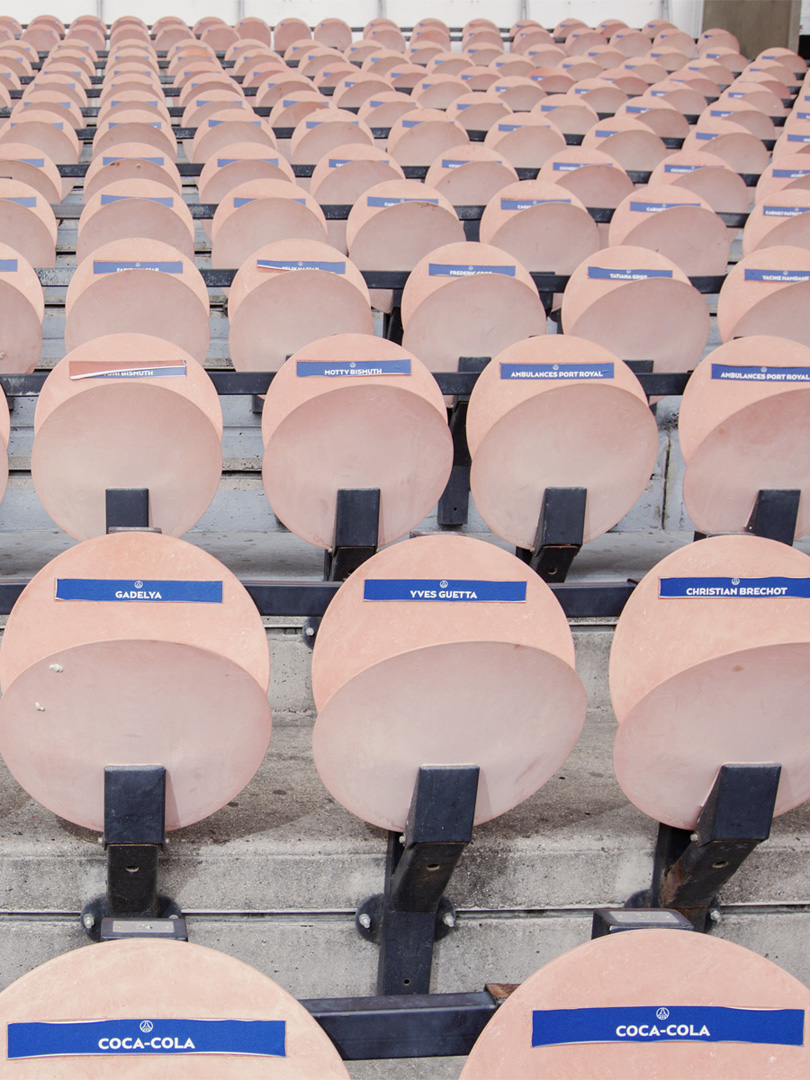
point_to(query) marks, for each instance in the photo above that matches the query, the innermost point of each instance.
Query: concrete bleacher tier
(271, 268)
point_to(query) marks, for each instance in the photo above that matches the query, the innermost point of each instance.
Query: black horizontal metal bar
(573, 138)
(241, 382)
(23, 385)
(303, 170)
(663, 383)
(416, 1025)
(308, 599)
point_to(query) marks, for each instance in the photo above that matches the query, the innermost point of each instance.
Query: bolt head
(449, 919)
(714, 916)
(365, 921)
(88, 922)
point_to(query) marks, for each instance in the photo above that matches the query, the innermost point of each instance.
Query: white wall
(687, 14)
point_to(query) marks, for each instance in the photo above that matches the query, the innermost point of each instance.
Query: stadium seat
(764, 293)
(354, 411)
(170, 443)
(449, 671)
(674, 1005)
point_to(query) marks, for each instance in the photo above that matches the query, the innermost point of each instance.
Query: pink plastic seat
(706, 175)
(543, 227)
(94, 667)
(470, 174)
(468, 299)
(132, 161)
(260, 212)
(787, 173)
(53, 136)
(778, 219)
(138, 286)
(743, 428)
(27, 223)
(765, 293)
(22, 307)
(220, 130)
(288, 31)
(137, 125)
(354, 411)
(638, 304)
(630, 142)
(344, 175)
(683, 227)
(438, 90)
(419, 136)
(170, 444)
(708, 666)
(288, 294)
(733, 143)
(316, 135)
(525, 140)
(142, 208)
(493, 657)
(595, 177)
(571, 115)
(582, 1014)
(558, 411)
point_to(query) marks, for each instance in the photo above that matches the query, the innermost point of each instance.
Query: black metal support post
(134, 831)
(357, 528)
(774, 515)
(413, 913)
(127, 508)
(608, 921)
(455, 501)
(690, 868)
(559, 534)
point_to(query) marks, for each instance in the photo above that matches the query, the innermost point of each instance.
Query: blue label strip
(164, 201)
(607, 273)
(36, 161)
(455, 270)
(677, 1023)
(682, 168)
(117, 157)
(679, 588)
(169, 371)
(308, 368)
(524, 204)
(784, 211)
(284, 264)
(114, 267)
(98, 1038)
(222, 162)
(8, 266)
(557, 371)
(790, 174)
(109, 590)
(419, 590)
(657, 208)
(760, 374)
(777, 276)
(22, 200)
(382, 200)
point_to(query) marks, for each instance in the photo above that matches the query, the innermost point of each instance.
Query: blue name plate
(167, 201)
(689, 587)
(115, 267)
(453, 163)
(760, 374)
(37, 161)
(569, 166)
(706, 135)
(109, 590)
(308, 368)
(111, 160)
(637, 109)
(720, 112)
(657, 208)
(798, 138)
(8, 266)
(243, 201)
(557, 371)
(417, 590)
(284, 264)
(524, 204)
(23, 200)
(682, 168)
(256, 1038)
(452, 270)
(222, 162)
(164, 372)
(678, 1023)
(779, 276)
(382, 200)
(603, 133)
(608, 273)
(791, 174)
(784, 211)
(466, 105)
